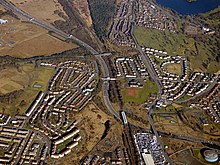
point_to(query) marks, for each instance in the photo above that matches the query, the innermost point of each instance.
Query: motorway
(106, 87)
(104, 67)
(9, 6)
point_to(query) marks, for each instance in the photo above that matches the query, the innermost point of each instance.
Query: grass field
(2, 9)
(139, 95)
(92, 128)
(63, 145)
(171, 42)
(23, 78)
(213, 21)
(168, 109)
(174, 68)
(178, 44)
(11, 79)
(41, 9)
(94, 120)
(23, 40)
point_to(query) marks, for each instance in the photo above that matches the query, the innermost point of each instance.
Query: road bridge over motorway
(11, 7)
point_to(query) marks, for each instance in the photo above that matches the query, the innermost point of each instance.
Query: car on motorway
(70, 36)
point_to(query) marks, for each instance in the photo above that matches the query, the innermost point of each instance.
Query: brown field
(131, 91)
(83, 8)
(174, 146)
(174, 68)
(111, 141)
(41, 9)
(25, 40)
(23, 78)
(2, 8)
(139, 114)
(92, 128)
(11, 79)
(165, 124)
(186, 157)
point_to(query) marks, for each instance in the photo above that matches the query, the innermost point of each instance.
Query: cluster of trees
(102, 12)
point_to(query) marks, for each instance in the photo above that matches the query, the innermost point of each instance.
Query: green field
(63, 145)
(212, 17)
(141, 94)
(168, 109)
(174, 68)
(171, 42)
(198, 53)
(34, 75)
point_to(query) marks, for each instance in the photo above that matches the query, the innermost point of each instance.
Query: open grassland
(212, 20)
(23, 78)
(92, 126)
(213, 17)
(186, 157)
(139, 95)
(171, 42)
(11, 79)
(174, 68)
(2, 8)
(213, 67)
(170, 122)
(48, 11)
(25, 40)
(136, 114)
(191, 156)
(199, 54)
(176, 145)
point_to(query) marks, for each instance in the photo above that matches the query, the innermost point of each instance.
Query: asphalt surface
(105, 90)
(9, 6)
(156, 79)
(25, 16)
(151, 71)
(154, 76)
